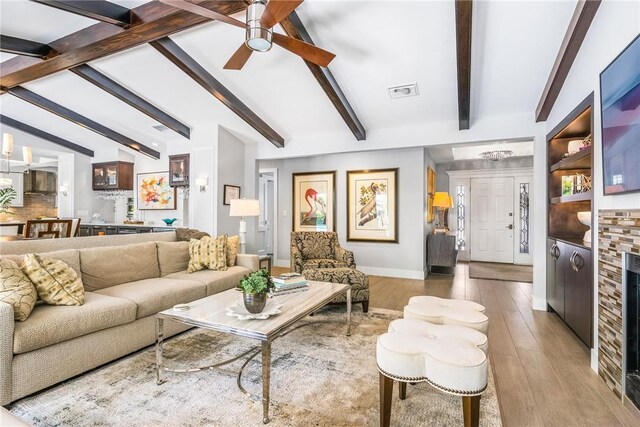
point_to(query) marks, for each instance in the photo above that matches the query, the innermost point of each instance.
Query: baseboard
(594, 360)
(539, 304)
(392, 272)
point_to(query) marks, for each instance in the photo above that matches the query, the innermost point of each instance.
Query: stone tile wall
(618, 232)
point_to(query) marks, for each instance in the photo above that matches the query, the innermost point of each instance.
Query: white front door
(491, 220)
(265, 221)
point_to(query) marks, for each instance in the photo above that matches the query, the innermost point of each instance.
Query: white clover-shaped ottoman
(451, 358)
(443, 311)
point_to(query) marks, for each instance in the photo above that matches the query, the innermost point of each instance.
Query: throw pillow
(55, 281)
(16, 289)
(186, 234)
(233, 245)
(208, 253)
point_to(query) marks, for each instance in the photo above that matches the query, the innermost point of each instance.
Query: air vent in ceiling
(410, 89)
(160, 128)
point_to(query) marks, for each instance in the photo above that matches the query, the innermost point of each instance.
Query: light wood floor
(541, 370)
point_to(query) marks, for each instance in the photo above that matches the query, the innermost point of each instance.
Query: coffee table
(211, 313)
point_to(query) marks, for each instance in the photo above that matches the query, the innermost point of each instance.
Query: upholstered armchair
(316, 250)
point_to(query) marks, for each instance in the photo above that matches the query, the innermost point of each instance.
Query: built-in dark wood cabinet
(569, 268)
(112, 176)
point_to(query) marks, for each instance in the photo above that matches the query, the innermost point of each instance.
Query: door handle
(552, 250)
(557, 252)
(510, 226)
(572, 262)
(580, 264)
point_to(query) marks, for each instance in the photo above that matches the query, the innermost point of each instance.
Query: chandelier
(7, 152)
(496, 155)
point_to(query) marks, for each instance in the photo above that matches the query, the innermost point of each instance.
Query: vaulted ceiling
(377, 44)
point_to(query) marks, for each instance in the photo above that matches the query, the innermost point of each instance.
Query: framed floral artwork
(154, 191)
(179, 170)
(372, 205)
(314, 207)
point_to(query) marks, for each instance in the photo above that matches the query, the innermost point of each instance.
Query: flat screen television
(620, 107)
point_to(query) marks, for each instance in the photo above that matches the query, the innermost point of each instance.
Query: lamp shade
(244, 207)
(27, 156)
(442, 200)
(7, 144)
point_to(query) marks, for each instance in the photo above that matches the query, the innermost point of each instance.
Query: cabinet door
(17, 182)
(99, 177)
(85, 231)
(562, 266)
(551, 273)
(578, 295)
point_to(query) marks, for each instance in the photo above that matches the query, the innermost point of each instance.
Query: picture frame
(314, 201)
(230, 192)
(154, 192)
(179, 170)
(372, 205)
(431, 191)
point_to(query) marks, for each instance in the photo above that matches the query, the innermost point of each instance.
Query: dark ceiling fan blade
(277, 10)
(304, 50)
(203, 11)
(239, 58)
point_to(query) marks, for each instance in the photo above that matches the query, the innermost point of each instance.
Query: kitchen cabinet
(17, 182)
(569, 289)
(112, 176)
(112, 229)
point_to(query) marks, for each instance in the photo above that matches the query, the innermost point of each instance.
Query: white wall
(615, 25)
(404, 259)
(230, 172)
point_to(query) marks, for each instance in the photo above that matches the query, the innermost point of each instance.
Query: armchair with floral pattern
(316, 250)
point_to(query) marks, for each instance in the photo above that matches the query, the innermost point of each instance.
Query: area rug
(495, 271)
(319, 377)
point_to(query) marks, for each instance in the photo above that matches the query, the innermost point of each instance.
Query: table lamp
(244, 208)
(442, 201)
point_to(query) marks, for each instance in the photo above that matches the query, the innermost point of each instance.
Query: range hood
(40, 182)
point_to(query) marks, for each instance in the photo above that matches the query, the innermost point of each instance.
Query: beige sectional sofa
(127, 280)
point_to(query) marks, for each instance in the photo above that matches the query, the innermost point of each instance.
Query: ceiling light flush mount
(258, 38)
(402, 91)
(496, 155)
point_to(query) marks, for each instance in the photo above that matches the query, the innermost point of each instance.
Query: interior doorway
(267, 221)
(492, 219)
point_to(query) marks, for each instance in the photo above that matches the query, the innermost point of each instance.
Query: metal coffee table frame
(264, 348)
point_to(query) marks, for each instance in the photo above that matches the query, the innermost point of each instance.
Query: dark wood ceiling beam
(294, 28)
(190, 66)
(44, 135)
(576, 32)
(464, 9)
(153, 20)
(99, 10)
(125, 95)
(80, 120)
(24, 47)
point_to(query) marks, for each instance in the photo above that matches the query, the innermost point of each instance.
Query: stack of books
(289, 283)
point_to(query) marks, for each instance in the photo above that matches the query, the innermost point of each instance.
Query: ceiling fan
(262, 15)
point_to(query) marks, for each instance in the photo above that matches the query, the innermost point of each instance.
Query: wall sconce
(64, 189)
(202, 182)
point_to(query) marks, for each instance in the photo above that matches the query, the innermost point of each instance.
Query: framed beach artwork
(154, 191)
(314, 207)
(372, 205)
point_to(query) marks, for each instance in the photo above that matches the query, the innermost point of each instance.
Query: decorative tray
(272, 308)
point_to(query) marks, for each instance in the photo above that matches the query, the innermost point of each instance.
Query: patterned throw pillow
(208, 253)
(55, 281)
(233, 245)
(16, 289)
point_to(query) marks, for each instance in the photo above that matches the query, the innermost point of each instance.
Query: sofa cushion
(208, 253)
(16, 289)
(114, 265)
(154, 295)
(172, 257)
(50, 324)
(70, 256)
(216, 281)
(313, 264)
(55, 281)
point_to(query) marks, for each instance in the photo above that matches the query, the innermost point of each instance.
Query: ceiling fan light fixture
(257, 38)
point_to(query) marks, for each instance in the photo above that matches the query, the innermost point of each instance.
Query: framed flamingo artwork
(314, 201)
(372, 205)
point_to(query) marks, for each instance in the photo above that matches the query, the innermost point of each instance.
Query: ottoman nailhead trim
(431, 383)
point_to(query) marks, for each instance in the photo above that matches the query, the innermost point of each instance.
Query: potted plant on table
(255, 288)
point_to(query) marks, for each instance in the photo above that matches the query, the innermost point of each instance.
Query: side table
(441, 251)
(265, 262)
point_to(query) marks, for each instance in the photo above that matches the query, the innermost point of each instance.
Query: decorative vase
(169, 221)
(254, 303)
(585, 218)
